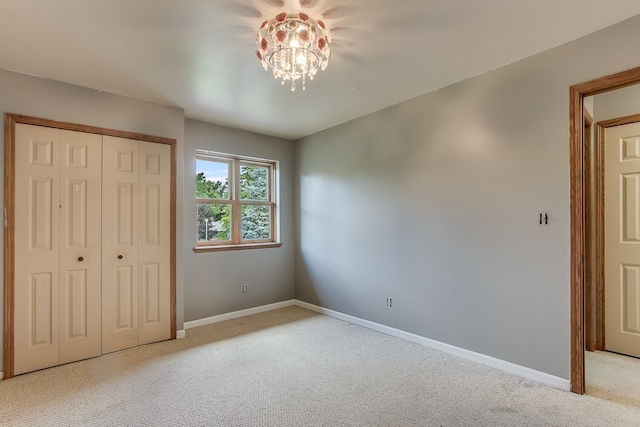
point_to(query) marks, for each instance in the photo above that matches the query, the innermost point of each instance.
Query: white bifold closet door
(57, 247)
(80, 235)
(154, 242)
(135, 244)
(92, 245)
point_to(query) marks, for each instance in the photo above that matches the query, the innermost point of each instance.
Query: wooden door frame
(589, 280)
(577, 93)
(9, 202)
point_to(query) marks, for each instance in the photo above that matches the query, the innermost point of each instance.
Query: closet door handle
(80, 259)
(120, 256)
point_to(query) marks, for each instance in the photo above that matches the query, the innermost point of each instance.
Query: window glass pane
(212, 179)
(256, 223)
(254, 182)
(214, 222)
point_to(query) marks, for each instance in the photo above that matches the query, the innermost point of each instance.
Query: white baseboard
(522, 371)
(512, 368)
(1, 375)
(180, 334)
(236, 314)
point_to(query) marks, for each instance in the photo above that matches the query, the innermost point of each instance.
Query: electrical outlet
(244, 289)
(389, 302)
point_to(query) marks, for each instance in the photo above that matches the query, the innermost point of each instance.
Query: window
(235, 202)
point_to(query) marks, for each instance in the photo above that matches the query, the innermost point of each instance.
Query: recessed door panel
(125, 158)
(124, 298)
(155, 245)
(151, 294)
(124, 214)
(120, 290)
(76, 289)
(630, 299)
(36, 249)
(41, 213)
(42, 308)
(152, 163)
(41, 150)
(622, 239)
(76, 215)
(151, 215)
(630, 148)
(80, 260)
(76, 154)
(629, 206)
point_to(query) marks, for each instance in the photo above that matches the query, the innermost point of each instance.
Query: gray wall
(47, 99)
(213, 280)
(618, 103)
(434, 202)
(588, 104)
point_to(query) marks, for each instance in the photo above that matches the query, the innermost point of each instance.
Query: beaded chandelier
(294, 46)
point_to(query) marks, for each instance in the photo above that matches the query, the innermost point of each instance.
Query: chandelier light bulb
(294, 46)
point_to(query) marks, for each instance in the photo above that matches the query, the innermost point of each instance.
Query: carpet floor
(613, 377)
(292, 367)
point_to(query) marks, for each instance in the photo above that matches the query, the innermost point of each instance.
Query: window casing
(235, 202)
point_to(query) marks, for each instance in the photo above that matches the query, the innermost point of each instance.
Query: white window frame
(237, 242)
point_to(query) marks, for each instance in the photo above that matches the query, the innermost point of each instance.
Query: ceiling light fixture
(294, 46)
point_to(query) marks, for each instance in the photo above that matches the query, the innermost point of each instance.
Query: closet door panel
(154, 242)
(120, 295)
(80, 246)
(37, 254)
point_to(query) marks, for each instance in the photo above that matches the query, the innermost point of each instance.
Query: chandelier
(294, 46)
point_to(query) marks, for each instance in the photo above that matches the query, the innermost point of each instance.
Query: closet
(92, 253)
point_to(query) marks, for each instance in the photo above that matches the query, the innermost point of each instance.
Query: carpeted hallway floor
(613, 377)
(292, 367)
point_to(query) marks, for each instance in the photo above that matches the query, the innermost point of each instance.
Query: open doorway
(587, 243)
(612, 245)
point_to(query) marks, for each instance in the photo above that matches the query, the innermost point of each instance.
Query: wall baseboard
(512, 368)
(237, 314)
(1, 375)
(180, 334)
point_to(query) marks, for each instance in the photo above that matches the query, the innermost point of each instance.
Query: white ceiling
(199, 54)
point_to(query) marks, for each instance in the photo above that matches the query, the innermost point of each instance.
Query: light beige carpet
(613, 377)
(292, 367)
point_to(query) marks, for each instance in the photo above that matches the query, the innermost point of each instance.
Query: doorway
(583, 217)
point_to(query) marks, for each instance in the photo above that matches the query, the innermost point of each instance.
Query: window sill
(220, 248)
